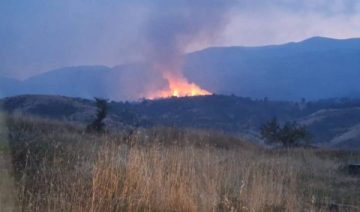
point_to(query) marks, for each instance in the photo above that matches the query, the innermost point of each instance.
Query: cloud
(288, 20)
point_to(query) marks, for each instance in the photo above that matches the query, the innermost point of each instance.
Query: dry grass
(59, 168)
(7, 186)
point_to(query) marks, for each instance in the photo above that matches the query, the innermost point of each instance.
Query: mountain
(9, 87)
(312, 69)
(332, 123)
(316, 68)
(125, 82)
(82, 81)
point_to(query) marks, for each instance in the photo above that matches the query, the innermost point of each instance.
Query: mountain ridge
(315, 68)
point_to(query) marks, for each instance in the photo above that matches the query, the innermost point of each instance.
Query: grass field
(7, 184)
(59, 167)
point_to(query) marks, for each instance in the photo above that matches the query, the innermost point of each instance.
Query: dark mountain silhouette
(315, 68)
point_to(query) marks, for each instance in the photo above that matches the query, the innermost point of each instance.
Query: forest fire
(178, 86)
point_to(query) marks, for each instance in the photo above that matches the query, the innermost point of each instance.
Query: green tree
(289, 135)
(98, 124)
(270, 130)
(292, 133)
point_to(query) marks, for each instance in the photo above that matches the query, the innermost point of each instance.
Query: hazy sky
(38, 35)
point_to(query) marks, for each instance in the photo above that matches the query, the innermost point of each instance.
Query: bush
(291, 134)
(98, 124)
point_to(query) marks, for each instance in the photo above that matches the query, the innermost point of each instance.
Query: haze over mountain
(315, 68)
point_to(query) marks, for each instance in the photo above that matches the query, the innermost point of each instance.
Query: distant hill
(335, 127)
(83, 81)
(316, 68)
(333, 122)
(9, 87)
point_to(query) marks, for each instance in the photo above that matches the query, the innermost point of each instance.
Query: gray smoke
(173, 26)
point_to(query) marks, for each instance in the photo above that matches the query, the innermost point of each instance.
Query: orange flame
(178, 87)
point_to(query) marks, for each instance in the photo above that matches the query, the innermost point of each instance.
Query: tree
(289, 135)
(270, 130)
(98, 124)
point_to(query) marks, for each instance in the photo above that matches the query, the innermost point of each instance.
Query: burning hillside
(178, 86)
(171, 33)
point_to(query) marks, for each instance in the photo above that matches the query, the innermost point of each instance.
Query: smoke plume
(175, 26)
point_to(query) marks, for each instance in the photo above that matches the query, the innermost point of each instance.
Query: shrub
(289, 135)
(98, 124)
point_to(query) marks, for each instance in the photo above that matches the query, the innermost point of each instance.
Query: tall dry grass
(7, 186)
(60, 168)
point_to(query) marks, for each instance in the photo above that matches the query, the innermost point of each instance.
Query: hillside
(336, 127)
(316, 68)
(57, 166)
(333, 123)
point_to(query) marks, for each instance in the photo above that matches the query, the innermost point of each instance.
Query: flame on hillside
(178, 86)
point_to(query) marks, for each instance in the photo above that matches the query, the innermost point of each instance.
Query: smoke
(175, 26)
(172, 28)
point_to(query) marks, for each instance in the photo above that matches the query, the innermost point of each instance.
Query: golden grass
(59, 168)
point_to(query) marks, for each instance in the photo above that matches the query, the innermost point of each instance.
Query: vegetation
(289, 135)
(7, 187)
(98, 124)
(331, 122)
(58, 167)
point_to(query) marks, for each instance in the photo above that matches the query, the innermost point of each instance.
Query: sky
(40, 35)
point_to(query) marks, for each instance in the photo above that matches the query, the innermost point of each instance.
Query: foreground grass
(7, 185)
(58, 167)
